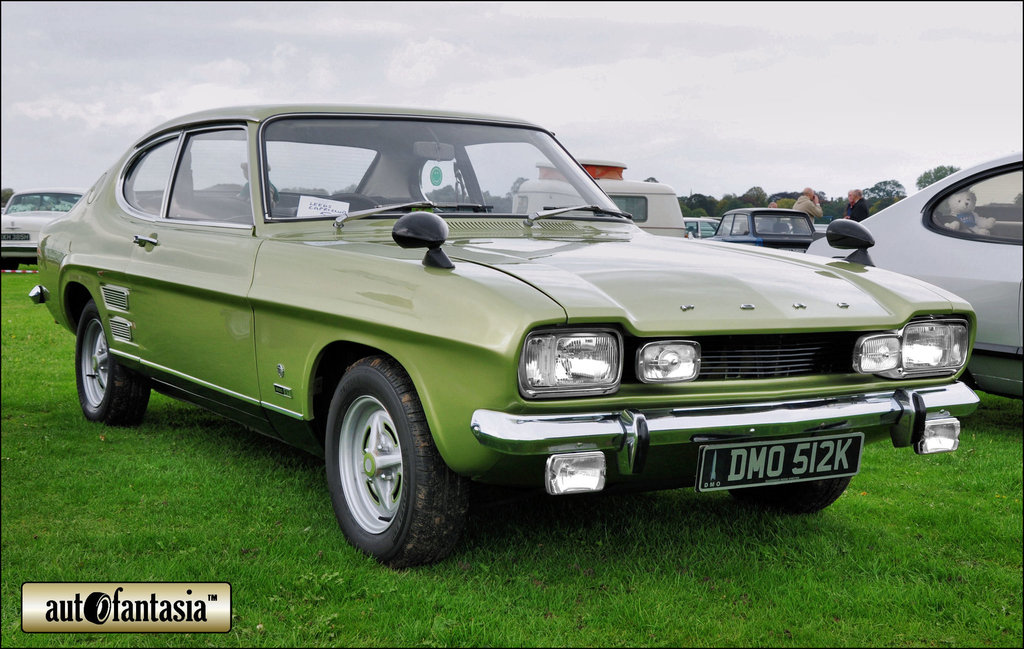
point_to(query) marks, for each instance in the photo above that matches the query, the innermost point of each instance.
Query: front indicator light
(669, 361)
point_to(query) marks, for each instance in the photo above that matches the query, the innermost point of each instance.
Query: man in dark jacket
(857, 208)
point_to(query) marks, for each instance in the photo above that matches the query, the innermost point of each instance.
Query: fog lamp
(940, 436)
(572, 473)
(668, 361)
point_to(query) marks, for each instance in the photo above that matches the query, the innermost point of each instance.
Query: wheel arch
(76, 296)
(331, 364)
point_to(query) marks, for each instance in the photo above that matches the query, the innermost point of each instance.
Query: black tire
(107, 391)
(796, 497)
(398, 501)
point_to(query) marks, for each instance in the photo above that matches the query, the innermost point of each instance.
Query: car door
(190, 272)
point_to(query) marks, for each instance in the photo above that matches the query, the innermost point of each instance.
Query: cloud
(418, 63)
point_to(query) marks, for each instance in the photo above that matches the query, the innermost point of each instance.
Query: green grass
(920, 551)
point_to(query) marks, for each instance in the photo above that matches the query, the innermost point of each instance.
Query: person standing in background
(857, 207)
(809, 203)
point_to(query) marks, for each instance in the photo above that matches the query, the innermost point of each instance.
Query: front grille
(769, 356)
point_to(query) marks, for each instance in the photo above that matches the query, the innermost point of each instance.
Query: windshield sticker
(316, 206)
(435, 176)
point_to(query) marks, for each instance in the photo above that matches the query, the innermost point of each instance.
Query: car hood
(656, 284)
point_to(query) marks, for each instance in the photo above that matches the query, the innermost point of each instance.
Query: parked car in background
(24, 215)
(963, 233)
(700, 227)
(368, 284)
(778, 228)
(653, 205)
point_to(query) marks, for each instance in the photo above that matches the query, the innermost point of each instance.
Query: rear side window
(988, 209)
(146, 182)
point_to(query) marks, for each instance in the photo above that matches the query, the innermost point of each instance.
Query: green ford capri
(368, 284)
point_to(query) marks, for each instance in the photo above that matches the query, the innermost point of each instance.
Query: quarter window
(988, 209)
(146, 182)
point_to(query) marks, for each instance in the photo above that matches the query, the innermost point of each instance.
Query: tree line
(879, 196)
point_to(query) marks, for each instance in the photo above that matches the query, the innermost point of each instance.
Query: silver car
(25, 214)
(963, 233)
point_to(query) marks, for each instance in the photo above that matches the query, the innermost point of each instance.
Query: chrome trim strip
(610, 431)
(283, 411)
(182, 375)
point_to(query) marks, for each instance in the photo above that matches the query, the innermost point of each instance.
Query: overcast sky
(710, 98)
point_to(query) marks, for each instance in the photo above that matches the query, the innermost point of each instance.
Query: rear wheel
(394, 497)
(796, 497)
(107, 391)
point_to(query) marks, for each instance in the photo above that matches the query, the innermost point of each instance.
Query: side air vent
(121, 329)
(115, 297)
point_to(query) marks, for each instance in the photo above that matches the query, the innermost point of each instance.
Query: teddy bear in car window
(965, 218)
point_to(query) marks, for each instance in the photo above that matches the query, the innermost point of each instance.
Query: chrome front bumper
(631, 432)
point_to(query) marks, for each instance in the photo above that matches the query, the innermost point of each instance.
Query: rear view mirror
(434, 151)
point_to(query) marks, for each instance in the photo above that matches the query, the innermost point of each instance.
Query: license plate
(15, 236)
(751, 464)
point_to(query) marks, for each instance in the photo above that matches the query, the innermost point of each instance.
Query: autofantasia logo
(130, 607)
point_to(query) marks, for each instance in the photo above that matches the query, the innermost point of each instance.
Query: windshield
(321, 166)
(42, 202)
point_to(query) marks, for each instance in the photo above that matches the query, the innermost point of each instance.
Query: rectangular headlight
(922, 348)
(668, 361)
(934, 345)
(570, 363)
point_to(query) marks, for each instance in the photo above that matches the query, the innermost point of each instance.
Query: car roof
(781, 211)
(257, 113)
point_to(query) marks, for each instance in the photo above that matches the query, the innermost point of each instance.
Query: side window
(988, 209)
(146, 181)
(212, 179)
(740, 227)
(635, 205)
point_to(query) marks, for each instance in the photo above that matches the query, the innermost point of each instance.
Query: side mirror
(847, 234)
(423, 230)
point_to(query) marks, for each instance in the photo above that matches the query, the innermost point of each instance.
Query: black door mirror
(423, 230)
(846, 234)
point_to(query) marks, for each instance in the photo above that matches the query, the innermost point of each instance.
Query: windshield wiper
(340, 221)
(543, 214)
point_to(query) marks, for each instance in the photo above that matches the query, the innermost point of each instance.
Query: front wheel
(107, 391)
(796, 497)
(394, 497)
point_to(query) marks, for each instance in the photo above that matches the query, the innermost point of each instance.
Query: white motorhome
(654, 206)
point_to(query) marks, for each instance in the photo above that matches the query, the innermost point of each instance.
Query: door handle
(142, 241)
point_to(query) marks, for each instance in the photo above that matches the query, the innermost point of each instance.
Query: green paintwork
(247, 312)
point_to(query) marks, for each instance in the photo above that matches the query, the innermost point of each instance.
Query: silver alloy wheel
(370, 464)
(94, 363)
